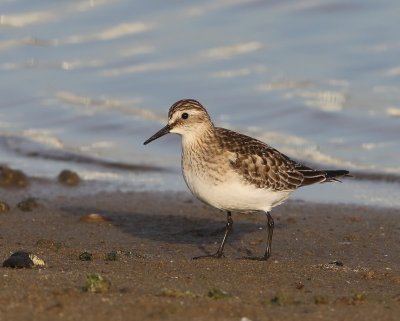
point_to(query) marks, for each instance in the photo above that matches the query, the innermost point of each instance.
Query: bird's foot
(256, 258)
(216, 255)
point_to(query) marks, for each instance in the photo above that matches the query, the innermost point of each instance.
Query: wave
(53, 150)
(26, 147)
(126, 107)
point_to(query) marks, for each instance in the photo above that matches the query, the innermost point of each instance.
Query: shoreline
(329, 261)
(353, 191)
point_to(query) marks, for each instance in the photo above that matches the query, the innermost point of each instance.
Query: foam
(127, 107)
(230, 51)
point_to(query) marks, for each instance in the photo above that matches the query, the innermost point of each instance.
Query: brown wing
(264, 166)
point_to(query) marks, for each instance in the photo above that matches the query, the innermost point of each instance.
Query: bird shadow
(170, 228)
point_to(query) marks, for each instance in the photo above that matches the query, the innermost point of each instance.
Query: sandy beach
(329, 261)
(85, 83)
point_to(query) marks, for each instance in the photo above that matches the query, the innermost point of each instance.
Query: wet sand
(329, 262)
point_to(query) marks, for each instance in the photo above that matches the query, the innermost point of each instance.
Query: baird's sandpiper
(234, 172)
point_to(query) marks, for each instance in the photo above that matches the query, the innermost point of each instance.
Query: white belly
(233, 194)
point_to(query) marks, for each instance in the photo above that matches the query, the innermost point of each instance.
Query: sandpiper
(235, 172)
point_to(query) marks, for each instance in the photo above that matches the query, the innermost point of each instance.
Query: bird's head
(187, 118)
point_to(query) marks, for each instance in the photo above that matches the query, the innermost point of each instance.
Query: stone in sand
(69, 178)
(22, 259)
(4, 207)
(28, 204)
(12, 178)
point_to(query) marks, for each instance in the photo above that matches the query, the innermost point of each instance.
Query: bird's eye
(185, 116)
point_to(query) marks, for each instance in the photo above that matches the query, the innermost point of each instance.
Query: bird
(234, 172)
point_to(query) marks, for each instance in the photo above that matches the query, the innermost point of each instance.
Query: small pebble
(337, 263)
(21, 259)
(12, 178)
(112, 256)
(69, 178)
(85, 256)
(28, 205)
(4, 207)
(94, 218)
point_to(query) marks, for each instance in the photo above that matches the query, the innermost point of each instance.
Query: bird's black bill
(160, 133)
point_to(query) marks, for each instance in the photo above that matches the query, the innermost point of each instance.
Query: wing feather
(265, 167)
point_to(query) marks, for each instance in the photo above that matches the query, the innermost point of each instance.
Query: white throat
(192, 135)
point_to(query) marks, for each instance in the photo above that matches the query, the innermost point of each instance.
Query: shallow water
(85, 83)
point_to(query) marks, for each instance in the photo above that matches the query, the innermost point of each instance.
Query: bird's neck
(198, 136)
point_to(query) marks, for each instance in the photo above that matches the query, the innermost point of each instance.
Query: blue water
(317, 79)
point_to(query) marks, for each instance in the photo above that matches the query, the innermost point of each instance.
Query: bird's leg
(228, 229)
(270, 224)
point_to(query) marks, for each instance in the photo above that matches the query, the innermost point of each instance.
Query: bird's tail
(332, 176)
(312, 176)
